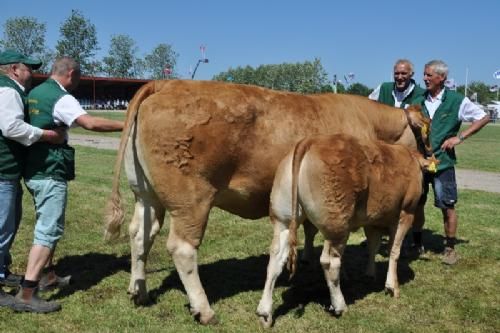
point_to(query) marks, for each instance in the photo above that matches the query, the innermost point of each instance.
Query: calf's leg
(330, 261)
(397, 236)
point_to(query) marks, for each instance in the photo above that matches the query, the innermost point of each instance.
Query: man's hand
(450, 143)
(55, 136)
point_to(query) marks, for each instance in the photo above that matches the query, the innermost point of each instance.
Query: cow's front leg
(330, 261)
(278, 256)
(146, 224)
(397, 236)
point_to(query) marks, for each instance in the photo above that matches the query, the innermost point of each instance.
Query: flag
(494, 88)
(450, 84)
(496, 74)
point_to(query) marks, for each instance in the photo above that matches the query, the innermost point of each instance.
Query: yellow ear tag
(423, 130)
(432, 167)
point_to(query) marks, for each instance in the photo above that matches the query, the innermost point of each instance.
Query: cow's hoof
(209, 319)
(336, 311)
(266, 320)
(394, 292)
(140, 299)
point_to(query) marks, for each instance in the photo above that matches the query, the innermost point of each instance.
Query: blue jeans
(50, 204)
(445, 188)
(11, 194)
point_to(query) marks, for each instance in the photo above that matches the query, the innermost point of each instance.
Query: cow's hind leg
(373, 238)
(146, 223)
(397, 236)
(310, 232)
(278, 256)
(330, 261)
(187, 226)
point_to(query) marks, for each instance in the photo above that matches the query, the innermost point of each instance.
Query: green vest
(385, 96)
(45, 160)
(11, 152)
(445, 124)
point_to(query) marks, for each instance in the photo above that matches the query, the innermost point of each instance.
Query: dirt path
(466, 179)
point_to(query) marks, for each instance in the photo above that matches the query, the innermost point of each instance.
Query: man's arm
(468, 111)
(14, 127)
(99, 124)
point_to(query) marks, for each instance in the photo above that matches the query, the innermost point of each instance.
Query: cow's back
(234, 136)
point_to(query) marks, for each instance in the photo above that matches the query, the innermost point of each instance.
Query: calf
(341, 183)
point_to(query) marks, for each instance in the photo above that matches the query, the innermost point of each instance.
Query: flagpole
(466, 77)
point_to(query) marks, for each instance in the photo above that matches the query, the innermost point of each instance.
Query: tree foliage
(478, 92)
(26, 35)
(163, 56)
(78, 40)
(121, 60)
(306, 77)
(358, 89)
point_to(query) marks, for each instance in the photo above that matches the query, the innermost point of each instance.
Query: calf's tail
(299, 151)
(114, 215)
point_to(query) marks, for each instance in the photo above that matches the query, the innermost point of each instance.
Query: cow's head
(421, 126)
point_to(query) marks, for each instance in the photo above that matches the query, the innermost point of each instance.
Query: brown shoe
(27, 300)
(450, 256)
(50, 281)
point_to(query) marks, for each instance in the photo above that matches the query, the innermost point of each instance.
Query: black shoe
(27, 300)
(6, 299)
(11, 280)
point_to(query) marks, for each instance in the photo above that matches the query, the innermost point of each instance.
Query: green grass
(481, 151)
(105, 114)
(233, 259)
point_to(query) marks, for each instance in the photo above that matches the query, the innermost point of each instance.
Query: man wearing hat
(15, 78)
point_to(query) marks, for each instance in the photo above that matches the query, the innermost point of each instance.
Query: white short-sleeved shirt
(468, 111)
(12, 122)
(67, 109)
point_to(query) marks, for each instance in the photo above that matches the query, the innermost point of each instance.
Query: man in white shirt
(51, 105)
(447, 109)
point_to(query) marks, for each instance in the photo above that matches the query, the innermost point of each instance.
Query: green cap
(14, 57)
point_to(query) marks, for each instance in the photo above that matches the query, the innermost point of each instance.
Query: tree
(78, 40)
(163, 56)
(307, 77)
(479, 90)
(26, 35)
(358, 89)
(121, 57)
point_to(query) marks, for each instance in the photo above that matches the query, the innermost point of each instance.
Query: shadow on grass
(88, 269)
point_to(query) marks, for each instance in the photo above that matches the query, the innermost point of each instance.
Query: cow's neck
(391, 125)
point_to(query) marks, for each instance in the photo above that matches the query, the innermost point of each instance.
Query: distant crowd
(103, 104)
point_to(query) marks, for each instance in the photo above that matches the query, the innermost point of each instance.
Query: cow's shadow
(228, 277)
(87, 270)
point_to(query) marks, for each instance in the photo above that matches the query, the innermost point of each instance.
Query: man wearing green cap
(15, 78)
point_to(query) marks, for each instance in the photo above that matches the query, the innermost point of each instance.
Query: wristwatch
(461, 137)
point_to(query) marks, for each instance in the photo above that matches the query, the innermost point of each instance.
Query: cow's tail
(298, 154)
(114, 215)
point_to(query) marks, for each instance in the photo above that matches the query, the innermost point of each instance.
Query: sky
(350, 36)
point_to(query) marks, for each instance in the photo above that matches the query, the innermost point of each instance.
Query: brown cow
(192, 145)
(340, 183)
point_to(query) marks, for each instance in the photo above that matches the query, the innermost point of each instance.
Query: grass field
(233, 259)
